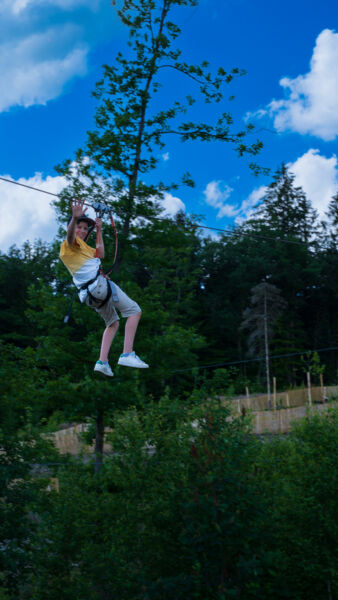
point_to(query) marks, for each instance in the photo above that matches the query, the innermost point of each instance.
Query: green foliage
(300, 473)
(187, 504)
(275, 248)
(173, 512)
(18, 270)
(311, 363)
(222, 381)
(23, 484)
(286, 209)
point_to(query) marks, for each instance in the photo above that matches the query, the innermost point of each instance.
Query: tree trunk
(133, 177)
(99, 439)
(266, 341)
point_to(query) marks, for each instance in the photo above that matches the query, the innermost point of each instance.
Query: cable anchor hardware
(100, 208)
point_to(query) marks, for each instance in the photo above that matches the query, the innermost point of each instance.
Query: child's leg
(130, 331)
(107, 338)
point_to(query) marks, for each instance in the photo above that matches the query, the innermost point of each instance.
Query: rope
(30, 187)
(248, 360)
(196, 225)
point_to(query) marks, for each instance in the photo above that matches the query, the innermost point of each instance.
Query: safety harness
(110, 290)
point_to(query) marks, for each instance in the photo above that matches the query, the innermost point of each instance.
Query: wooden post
(287, 400)
(308, 377)
(239, 405)
(247, 393)
(266, 341)
(274, 393)
(322, 387)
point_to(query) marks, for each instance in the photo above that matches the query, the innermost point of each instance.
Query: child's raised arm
(77, 211)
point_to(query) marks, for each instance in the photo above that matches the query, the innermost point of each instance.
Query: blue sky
(50, 58)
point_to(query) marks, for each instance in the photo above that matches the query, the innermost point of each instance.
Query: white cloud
(314, 173)
(248, 205)
(318, 177)
(311, 105)
(172, 205)
(18, 6)
(165, 156)
(33, 76)
(28, 215)
(216, 195)
(257, 113)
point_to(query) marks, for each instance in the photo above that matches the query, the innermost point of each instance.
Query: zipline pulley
(101, 209)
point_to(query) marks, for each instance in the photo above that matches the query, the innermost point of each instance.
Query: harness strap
(111, 290)
(112, 285)
(85, 285)
(103, 302)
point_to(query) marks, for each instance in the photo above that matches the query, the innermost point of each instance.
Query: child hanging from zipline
(98, 292)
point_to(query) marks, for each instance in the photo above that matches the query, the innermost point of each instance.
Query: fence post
(287, 400)
(308, 377)
(247, 393)
(274, 393)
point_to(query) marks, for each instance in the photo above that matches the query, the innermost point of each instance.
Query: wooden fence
(280, 421)
(287, 399)
(68, 440)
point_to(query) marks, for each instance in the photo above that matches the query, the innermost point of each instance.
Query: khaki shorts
(125, 305)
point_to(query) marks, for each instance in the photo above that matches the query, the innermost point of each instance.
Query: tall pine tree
(285, 208)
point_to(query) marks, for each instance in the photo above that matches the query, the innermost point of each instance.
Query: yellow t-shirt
(80, 260)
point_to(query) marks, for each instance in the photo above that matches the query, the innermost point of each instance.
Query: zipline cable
(239, 362)
(248, 360)
(229, 233)
(30, 187)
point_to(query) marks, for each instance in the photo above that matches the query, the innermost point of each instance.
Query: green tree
(130, 129)
(174, 513)
(56, 376)
(286, 209)
(311, 364)
(299, 473)
(24, 478)
(20, 268)
(278, 243)
(330, 226)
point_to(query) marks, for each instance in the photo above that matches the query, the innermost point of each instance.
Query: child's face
(81, 229)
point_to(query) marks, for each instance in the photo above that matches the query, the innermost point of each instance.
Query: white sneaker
(132, 360)
(103, 368)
